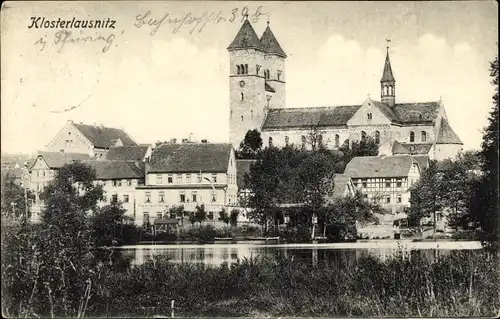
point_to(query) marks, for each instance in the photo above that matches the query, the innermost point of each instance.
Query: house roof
(377, 166)
(192, 157)
(387, 74)
(270, 44)
(423, 160)
(58, 159)
(246, 38)
(341, 181)
(108, 170)
(410, 149)
(104, 137)
(421, 112)
(127, 153)
(306, 117)
(242, 167)
(446, 134)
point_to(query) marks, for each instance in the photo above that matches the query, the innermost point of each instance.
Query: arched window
(287, 140)
(242, 118)
(270, 141)
(337, 140)
(251, 114)
(385, 90)
(363, 136)
(246, 68)
(279, 74)
(320, 140)
(390, 89)
(239, 69)
(377, 137)
(242, 68)
(242, 96)
(257, 69)
(267, 74)
(412, 136)
(303, 139)
(423, 136)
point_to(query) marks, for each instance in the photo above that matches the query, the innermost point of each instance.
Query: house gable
(368, 115)
(70, 140)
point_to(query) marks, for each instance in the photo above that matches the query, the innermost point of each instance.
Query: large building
(189, 175)
(257, 90)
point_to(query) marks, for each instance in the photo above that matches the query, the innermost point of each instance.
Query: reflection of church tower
(388, 83)
(256, 80)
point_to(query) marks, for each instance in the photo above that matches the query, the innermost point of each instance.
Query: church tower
(388, 83)
(256, 80)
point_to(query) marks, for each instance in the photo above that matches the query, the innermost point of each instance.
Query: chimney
(204, 141)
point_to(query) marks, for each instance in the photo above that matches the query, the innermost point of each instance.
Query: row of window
(385, 199)
(243, 69)
(318, 141)
(159, 215)
(199, 178)
(387, 182)
(423, 136)
(114, 198)
(182, 197)
(44, 173)
(388, 90)
(118, 182)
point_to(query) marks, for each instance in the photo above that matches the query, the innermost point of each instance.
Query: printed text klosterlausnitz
(41, 22)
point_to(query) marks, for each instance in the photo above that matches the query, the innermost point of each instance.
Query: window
(270, 141)
(129, 182)
(158, 179)
(337, 140)
(423, 136)
(279, 74)
(214, 178)
(390, 90)
(161, 197)
(119, 183)
(398, 199)
(148, 197)
(412, 137)
(179, 178)
(198, 177)
(242, 96)
(387, 182)
(113, 183)
(320, 140)
(126, 198)
(214, 199)
(43, 173)
(145, 218)
(170, 178)
(399, 182)
(387, 199)
(242, 118)
(114, 198)
(210, 215)
(251, 114)
(238, 68)
(363, 136)
(267, 75)
(377, 137)
(257, 68)
(287, 140)
(369, 116)
(159, 215)
(303, 139)
(364, 182)
(193, 195)
(182, 196)
(188, 178)
(246, 68)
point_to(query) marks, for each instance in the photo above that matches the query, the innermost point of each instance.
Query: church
(257, 85)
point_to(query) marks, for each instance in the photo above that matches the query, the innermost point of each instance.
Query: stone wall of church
(446, 151)
(295, 137)
(402, 134)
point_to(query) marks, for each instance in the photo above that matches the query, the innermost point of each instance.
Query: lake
(346, 253)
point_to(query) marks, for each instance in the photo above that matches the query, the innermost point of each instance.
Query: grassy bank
(461, 284)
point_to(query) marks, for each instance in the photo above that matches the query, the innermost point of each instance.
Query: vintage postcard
(255, 159)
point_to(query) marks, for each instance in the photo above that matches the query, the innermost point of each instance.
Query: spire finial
(246, 16)
(387, 41)
(268, 19)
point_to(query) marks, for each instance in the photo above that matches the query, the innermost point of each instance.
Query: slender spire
(246, 38)
(387, 75)
(270, 43)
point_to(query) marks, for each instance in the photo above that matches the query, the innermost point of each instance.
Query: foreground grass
(461, 284)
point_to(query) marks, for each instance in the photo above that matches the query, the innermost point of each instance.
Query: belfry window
(257, 68)
(423, 136)
(242, 96)
(412, 136)
(239, 69)
(242, 118)
(246, 68)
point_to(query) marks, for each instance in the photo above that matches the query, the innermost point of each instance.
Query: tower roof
(387, 75)
(270, 44)
(246, 38)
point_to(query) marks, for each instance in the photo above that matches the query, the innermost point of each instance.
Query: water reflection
(217, 254)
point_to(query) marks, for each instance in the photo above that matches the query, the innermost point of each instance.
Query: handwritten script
(196, 22)
(63, 38)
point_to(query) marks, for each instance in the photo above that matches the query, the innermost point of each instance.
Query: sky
(170, 79)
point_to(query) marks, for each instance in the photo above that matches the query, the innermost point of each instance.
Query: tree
(486, 194)
(200, 214)
(223, 217)
(251, 145)
(234, 217)
(426, 195)
(177, 212)
(365, 147)
(109, 224)
(13, 202)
